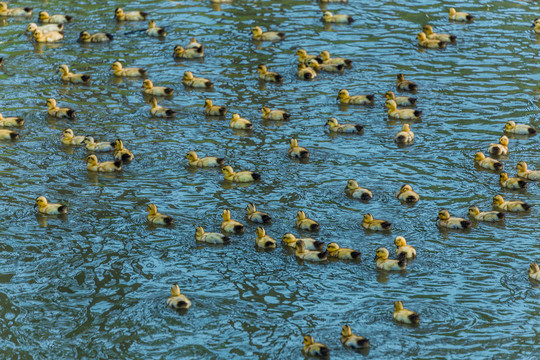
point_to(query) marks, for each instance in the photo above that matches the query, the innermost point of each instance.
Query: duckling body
(258, 34)
(459, 15)
(276, 115)
(407, 194)
(264, 241)
(195, 82)
(68, 138)
(302, 253)
(214, 110)
(400, 100)
(160, 111)
(240, 176)
(120, 15)
(536, 25)
(45, 18)
(50, 37)
(511, 206)
(86, 37)
(44, 207)
(447, 38)
(106, 166)
(119, 70)
(501, 148)
(403, 114)
(11, 121)
(337, 252)
(156, 218)
(326, 59)
(266, 75)
(405, 136)
(290, 240)
(384, 263)
(178, 301)
(519, 129)
(62, 113)
(312, 348)
(405, 316)
(487, 163)
(231, 226)
(8, 134)
(72, 77)
(424, 42)
(511, 183)
(154, 30)
(257, 216)
(403, 250)
(345, 98)
(150, 89)
(92, 145)
(334, 126)
(333, 68)
(446, 221)
(14, 12)
(47, 28)
(188, 53)
(296, 151)
(304, 223)
(356, 192)
(238, 122)
(206, 162)
(121, 153)
(524, 173)
(488, 216)
(369, 223)
(210, 237)
(349, 340)
(405, 85)
(328, 17)
(304, 72)
(304, 57)
(534, 271)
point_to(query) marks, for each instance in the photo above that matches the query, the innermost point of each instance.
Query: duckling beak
(325, 124)
(35, 206)
(375, 258)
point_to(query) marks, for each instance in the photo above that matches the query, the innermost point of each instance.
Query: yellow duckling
(238, 122)
(106, 166)
(306, 73)
(304, 223)
(8, 134)
(534, 271)
(312, 348)
(266, 75)
(302, 253)
(240, 176)
(349, 340)
(47, 28)
(277, 115)
(231, 226)
(258, 34)
(403, 114)
(487, 163)
(311, 244)
(407, 194)
(150, 89)
(519, 129)
(209, 161)
(45, 18)
(405, 316)
(14, 12)
(459, 15)
(156, 218)
(264, 241)
(304, 57)
(86, 37)
(92, 145)
(405, 136)
(345, 98)
(384, 263)
(447, 38)
(334, 126)
(51, 209)
(120, 15)
(325, 67)
(489, 216)
(326, 59)
(160, 111)
(193, 43)
(189, 53)
(296, 151)
(511, 183)
(118, 70)
(522, 171)
(452, 222)
(257, 216)
(195, 82)
(400, 100)
(405, 85)
(536, 25)
(11, 121)
(369, 223)
(328, 17)
(214, 110)
(512, 206)
(121, 153)
(423, 41)
(62, 113)
(501, 148)
(49, 37)
(210, 237)
(356, 192)
(72, 77)
(334, 251)
(154, 30)
(68, 138)
(178, 301)
(403, 250)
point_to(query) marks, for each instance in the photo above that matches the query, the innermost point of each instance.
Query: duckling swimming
(384, 263)
(210, 237)
(72, 77)
(150, 89)
(86, 37)
(266, 75)
(32, 27)
(304, 57)
(195, 82)
(296, 151)
(328, 17)
(501, 148)
(349, 340)
(403, 250)
(459, 15)
(156, 218)
(489, 216)
(240, 176)
(304, 223)
(536, 25)
(423, 41)
(11, 121)
(120, 15)
(407, 194)
(160, 111)
(309, 255)
(118, 70)
(451, 222)
(534, 271)
(345, 98)
(325, 67)
(45, 18)
(369, 223)
(50, 37)
(8, 134)
(405, 316)
(312, 348)
(264, 241)
(334, 126)
(189, 53)
(403, 114)
(277, 115)
(69, 139)
(306, 73)
(92, 145)
(106, 166)
(405, 136)
(334, 251)
(50, 209)
(257, 216)
(448, 38)
(405, 85)
(238, 122)
(356, 192)
(511, 183)
(512, 206)
(258, 34)
(178, 301)
(62, 113)
(400, 100)
(231, 226)
(487, 163)
(14, 12)
(290, 240)
(209, 161)
(214, 110)
(326, 59)
(121, 153)
(154, 30)
(193, 43)
(519, 129)
(522, 172)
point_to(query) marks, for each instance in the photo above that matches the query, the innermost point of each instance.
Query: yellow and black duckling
(511, 183)
(209, 161)
(258, 34)
(459, 15)
(512, 206)
(534, 271)
(400, 100)
(423, 41)
(522, 172)
(154, 30)
(44, 207)
(264, 241)
(356, 192)
(326, 59)
(447, 38)
(45, 18)
(63, 113)
(407, 194)
(14, 12)
(405, 136)
(156, 218)
(106, 166)
(405, 316)
(345, 98)
(86, 37)
(328, 17)
(240, 176)
(266, 75)
(451, 222)
(49, 37)
(519, 129)
(487, 163)
(231, 226)
(257, 216)
(302, 253)
(305, 72)
(119, 70)
(11, 121)
(121, 153)
(304, 57)
(334, 251)
(8, 134)
(349, 340)
(178, 301)
(277, 115)
(384, 263)
(296, 151)
(405, 85)
(32, 27)
(188, 53)
(72, 77)
(536, 25)
(311, 244)
(334, 126)
(150, 89)
(403, 250)
(210, 237)
(325, 67)
(312, 348)
(488, 216)
(369, 223)
(160, 111)
(68, 138)
(501, 148)
(213, 110)
(238, 122)
(195, 82)
(403, 114)
(92, 145)
(120, 15)
(305, 223)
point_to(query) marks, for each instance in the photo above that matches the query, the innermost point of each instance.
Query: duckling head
(294, 143)
(178, 50)
(250, 208)
(300, 215)
(405, 187)
(260, 232)
(3, 6)
(327, 15)
(31, 27)
(118, 144)
(43, 15)
(473, 210)
(256, 31)
(308, 339)
(301, 52)
(226, 215)
(398, 305)
(175, 290)
(368, 218)
(406, 127)
(68, 133)
(92, 159)
(451, 11)
(151, 24)
(503, 177)
(498, 200)
(325, 55)
(343, 94)
(332, 247)
(84, 35)
(262, 69)
(199, 231)
(51, 103)
(479, 156)
(509, 125)
(41, 201)
(400, 77)
(117, 65)
(153, 102)
(227, 170)
(89, 140)
(208, 103)
(332, 122)
(352, 184)
(152, 209)
(147, 84)
(188, 75)
(391, 105)
(534, 268)
(421, 36)
(289, 238)
(390, 95)
(192, 156)
(400, 241)
(503, 140)
(119, 12)
(346, 330)
(444, 214)
(235, 117)
(313, 64)
(265, 110)
(427, 29)
(382, 253)
(64, 69)
(38, 34)
(521, 166)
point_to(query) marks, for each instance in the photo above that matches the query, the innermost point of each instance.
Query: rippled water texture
(94, 284)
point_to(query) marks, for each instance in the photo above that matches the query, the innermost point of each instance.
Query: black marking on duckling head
(386, 225)
(168, 91)
(414, 318)
(356, 254)
(314, 227)
(318, 245)
(256, 176)
(13, 135)
(365, 196)
(417, 113)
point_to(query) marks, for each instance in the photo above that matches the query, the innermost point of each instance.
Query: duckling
(407, 194)
(121, 153)
(69, 139)
(120, 15)
(325, 67)
(264, 241)
(405, 85)
(86, 37)
(296, 151)
(72, 77)
(193, 44)
(8, 134)
(356, 192)
(50, 37)
(487, 163)
(451, 222)
(156, 218)
(11, 121)
(306, 73)
(334, 126)
(277, 115)
(328, 17)
(512, 206)
(45, 18)
(238, 122)
(14, 12)
(214, 110)
(154, 30)
(448, 38)
(405, 136)
(178, 301)
(50, 209)
(231, 226)
(150, 89)
(266, 75)
(209, 161)
(400, 100)
(326, 59)
(304, 57)
(345, 98)
(403, 250)
(511, 183)
(92, 145)
(62, 113)
(522, 171)
(106, 166)
(240, 176)
(118, 70)
(369, 223)
(190, 81)
(384, 263)
(423, 41)
(160, 111)
(32, 27)
(519, 129)
(304, 223)
(334, 251)
(534, 271)
(459, 15)
(489, 216)
(210, 237)
(501, 148)
(302, 253)
(349, 340)
(290, 240)
(403, 114)
(258, 34)
(189, 53)
(405, 316)
(257, 216)
(536, 25)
